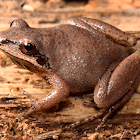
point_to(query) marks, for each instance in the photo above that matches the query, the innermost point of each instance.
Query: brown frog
(83, 55)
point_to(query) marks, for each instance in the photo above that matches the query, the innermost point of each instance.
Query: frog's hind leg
(119, 104)
(104, 113)
(96, 26)
(115, 91)
(115, 84)
(115, 88)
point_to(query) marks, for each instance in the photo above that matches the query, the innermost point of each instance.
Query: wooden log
(14, 103)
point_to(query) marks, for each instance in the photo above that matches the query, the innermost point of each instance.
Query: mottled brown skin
(83, 55)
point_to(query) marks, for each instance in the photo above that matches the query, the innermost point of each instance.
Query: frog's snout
(4, 41)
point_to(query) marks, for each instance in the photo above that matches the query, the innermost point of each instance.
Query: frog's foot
(104, 114)
(25, 115)
(128, 77)
(29, 95)
(86, 120)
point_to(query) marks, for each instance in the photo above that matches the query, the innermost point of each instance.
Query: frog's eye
(28, 48)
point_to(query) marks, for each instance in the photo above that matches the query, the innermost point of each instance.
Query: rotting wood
(13, 103)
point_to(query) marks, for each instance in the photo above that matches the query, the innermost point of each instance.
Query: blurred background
(124, 14)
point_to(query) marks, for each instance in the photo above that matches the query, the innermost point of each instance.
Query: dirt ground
(125, 124)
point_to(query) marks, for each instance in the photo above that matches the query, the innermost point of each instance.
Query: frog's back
(81, 57)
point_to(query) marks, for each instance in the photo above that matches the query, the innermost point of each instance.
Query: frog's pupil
(29, 47)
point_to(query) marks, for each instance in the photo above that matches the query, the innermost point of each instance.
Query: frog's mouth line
(19, 59)
(19, 62)
(22, 63)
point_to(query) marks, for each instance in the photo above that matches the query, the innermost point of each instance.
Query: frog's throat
(21, 60)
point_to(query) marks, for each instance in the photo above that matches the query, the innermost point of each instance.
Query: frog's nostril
(4, 41)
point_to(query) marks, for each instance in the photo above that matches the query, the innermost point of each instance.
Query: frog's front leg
(60, 90)
(96, 26)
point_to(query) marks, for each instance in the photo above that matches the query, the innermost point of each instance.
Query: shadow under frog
(81, 55)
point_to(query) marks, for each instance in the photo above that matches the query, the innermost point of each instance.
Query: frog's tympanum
(81, 55)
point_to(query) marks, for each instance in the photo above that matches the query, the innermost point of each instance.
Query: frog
(80, 55)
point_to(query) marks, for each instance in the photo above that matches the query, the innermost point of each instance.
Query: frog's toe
(84, 121)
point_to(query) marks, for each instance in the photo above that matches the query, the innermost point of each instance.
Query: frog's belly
(84, 77)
